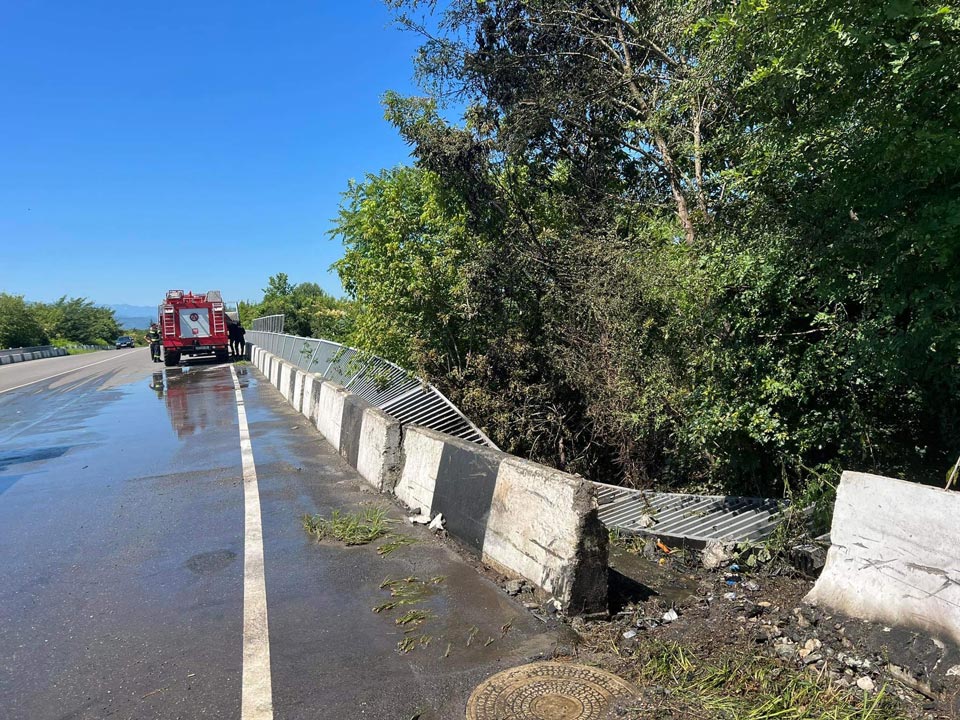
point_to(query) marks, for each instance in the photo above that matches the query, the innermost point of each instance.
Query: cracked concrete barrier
(378, 454)
(894, 555)
(367, 438)
(519, 517)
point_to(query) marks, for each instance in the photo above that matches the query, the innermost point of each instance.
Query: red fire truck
(193, 325)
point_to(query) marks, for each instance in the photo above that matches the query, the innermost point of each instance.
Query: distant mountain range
(134, 316)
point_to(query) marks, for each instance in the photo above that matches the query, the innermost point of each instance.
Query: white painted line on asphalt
(256, 699)
(66, 372)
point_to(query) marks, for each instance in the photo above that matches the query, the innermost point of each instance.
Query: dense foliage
(677, 241)
(308, 310)
(73, 320)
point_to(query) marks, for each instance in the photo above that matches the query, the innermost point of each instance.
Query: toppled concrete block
(893, 557)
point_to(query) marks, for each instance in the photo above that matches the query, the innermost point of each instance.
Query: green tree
(678, 242)
(307, 309)
(406, 246)
(18, 324)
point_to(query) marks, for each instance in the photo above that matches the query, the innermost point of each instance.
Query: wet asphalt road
(121, 559)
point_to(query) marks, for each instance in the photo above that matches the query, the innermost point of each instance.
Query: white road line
(65, 372)
(256, 690)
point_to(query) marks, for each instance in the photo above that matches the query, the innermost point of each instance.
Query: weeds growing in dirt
(746, 688)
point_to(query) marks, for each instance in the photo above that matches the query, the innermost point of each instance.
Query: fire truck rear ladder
(218, 326)
(169, 324)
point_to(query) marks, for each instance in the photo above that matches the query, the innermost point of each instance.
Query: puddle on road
(210, 562)
(26, 455)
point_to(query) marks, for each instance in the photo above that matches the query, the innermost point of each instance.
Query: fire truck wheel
(171, 359)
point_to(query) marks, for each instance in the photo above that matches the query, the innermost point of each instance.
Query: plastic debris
(437, 522)
(715, 554)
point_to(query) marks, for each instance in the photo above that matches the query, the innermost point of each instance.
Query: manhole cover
(547, 691)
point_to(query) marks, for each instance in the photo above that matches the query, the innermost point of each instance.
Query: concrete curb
(893, 555)
(523, 519)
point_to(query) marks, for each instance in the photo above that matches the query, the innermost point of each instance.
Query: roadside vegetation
(356, 528)
(66, 322)
(708, 246)
(307, 309)
(743, 687)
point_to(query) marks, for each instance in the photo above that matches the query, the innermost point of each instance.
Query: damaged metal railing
(380, 382)
(695, 519)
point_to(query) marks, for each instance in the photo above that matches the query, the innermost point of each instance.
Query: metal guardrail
(693, 519)
(269, 323)
(380, 382)
(697, 519)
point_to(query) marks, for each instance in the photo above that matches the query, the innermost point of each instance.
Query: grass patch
(394, 542)
(357, 528)
(413, 618)
(747, 688)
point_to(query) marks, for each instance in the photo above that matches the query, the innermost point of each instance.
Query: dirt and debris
(726, 639)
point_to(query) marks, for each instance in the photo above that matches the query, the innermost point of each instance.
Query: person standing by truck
(237, 338)
(153, 337)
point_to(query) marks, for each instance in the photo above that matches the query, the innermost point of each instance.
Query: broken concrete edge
(522, 519)
(893, 555)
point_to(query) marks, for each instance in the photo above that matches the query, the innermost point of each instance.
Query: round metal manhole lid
(548, 691)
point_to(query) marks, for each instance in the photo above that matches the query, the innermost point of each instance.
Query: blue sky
(183, 144)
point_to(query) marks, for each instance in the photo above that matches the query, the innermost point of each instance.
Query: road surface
(128, 544)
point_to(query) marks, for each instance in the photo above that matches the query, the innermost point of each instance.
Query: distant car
(125, 341)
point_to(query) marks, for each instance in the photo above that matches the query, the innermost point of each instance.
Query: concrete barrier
(378, 451)
(297, 398)
(522, 518)
(275, 366)
(307, 400)
(312, 384)
(285, 384)
(15, 355)
(340, 419)
(894, 555)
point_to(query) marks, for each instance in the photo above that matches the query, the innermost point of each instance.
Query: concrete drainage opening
(548, 691)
